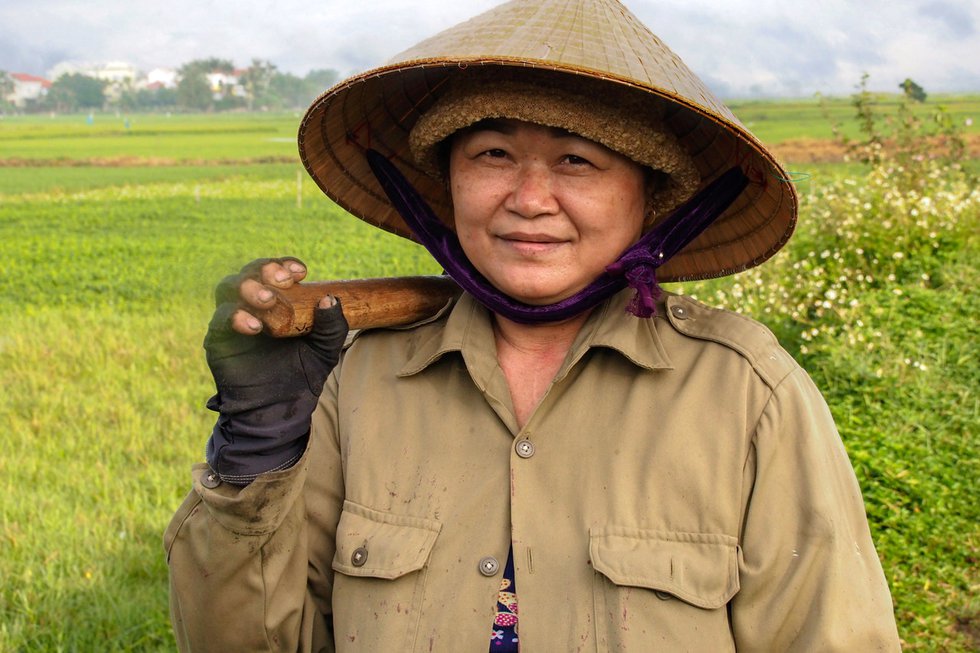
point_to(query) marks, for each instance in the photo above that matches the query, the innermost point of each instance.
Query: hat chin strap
(636, 267)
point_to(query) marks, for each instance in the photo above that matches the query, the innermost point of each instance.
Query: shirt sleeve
(809, 574)
(241, 576)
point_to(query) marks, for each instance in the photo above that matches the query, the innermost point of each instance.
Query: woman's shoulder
(748, 338)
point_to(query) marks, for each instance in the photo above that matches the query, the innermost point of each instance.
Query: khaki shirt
(681, 487)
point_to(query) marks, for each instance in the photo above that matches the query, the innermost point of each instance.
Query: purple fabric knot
(639, 267)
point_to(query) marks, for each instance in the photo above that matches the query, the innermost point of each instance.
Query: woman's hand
(267, 388)
(253, 289)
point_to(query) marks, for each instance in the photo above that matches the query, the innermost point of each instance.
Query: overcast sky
(738, 47)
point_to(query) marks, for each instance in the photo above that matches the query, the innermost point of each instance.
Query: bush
(875, 295)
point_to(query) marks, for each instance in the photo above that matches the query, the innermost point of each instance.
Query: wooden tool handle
(367, 303)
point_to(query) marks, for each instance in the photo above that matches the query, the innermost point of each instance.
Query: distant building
(67, 68)
(112, 72)
(224, 84)
(161, 78)
(28, 89)
(116, 73)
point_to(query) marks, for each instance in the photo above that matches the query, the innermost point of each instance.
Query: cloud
(955, 20)
(777, 48)
(739, 47)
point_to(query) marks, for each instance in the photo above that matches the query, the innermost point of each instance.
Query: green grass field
(177, 137)
(105, 292)
(777, 121)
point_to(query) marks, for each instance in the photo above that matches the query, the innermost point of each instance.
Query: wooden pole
(367, 303)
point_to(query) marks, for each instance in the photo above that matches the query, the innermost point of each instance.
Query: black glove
(267, 388)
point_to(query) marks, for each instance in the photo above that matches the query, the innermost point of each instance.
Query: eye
(576, 160)
(494, 153)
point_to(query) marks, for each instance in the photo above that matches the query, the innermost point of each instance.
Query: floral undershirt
(503, 636)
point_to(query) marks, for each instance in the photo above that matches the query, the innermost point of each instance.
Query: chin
(538, 296)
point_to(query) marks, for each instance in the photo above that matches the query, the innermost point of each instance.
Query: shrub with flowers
(876, 296)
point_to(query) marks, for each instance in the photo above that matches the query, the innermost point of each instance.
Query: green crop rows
(112, 236)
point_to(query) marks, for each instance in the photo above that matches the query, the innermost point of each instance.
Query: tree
(256, 81)
(76, 91)
(193, 89)
(321, 79)
(194, 92)
(287, 91)
(209, 65)
(6, 84)
(6, 90)
(156, 98)
(912, 90)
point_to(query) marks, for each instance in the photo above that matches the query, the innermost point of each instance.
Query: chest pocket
(380, 560)
(668, 585)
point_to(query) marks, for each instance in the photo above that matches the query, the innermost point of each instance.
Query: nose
(532, 194)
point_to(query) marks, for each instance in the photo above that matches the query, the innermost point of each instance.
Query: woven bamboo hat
(595, 40)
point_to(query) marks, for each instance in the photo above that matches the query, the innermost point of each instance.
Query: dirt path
(810, 150)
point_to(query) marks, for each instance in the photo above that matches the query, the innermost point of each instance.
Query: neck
(530, 356)
(545, 339)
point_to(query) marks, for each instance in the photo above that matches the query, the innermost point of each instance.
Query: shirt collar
(467, 329)
(637, 339)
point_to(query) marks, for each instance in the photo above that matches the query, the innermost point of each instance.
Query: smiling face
(541, 212)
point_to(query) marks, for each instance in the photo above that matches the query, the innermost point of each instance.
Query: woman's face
(541, 212)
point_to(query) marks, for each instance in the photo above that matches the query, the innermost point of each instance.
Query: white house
(27, 89)
(161, 78)
(115, 72)
(117, 75)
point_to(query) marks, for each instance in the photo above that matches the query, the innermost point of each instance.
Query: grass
(60, 180)
(775, 121)
(104, 298)
(105, 293)
(175, 137)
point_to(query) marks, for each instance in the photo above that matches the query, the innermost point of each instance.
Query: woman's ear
(655, 181)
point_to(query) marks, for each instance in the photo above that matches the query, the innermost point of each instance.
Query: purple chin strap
(636, 267)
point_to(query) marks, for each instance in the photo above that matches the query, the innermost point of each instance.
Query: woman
(565, 458)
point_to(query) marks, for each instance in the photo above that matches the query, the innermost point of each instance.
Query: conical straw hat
(598, 39)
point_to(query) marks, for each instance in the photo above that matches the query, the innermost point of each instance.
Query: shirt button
(525, 448)
(679, 312)
(662, 595)
(211, 480)
(489, 566)
(359, 557)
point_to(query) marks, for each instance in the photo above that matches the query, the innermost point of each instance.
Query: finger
(253, 269)
(254, 294)
(283, 272)
(327, 301)
(245, 323)
(295, 266)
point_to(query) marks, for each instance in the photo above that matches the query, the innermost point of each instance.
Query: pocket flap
(380, 544)
(698, 568)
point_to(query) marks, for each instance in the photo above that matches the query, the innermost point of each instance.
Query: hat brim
(377, 109)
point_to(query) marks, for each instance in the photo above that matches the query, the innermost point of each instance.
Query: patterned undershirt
(503, 635)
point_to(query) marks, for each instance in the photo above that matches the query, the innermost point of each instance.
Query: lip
(522, 237)
(531, 245)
